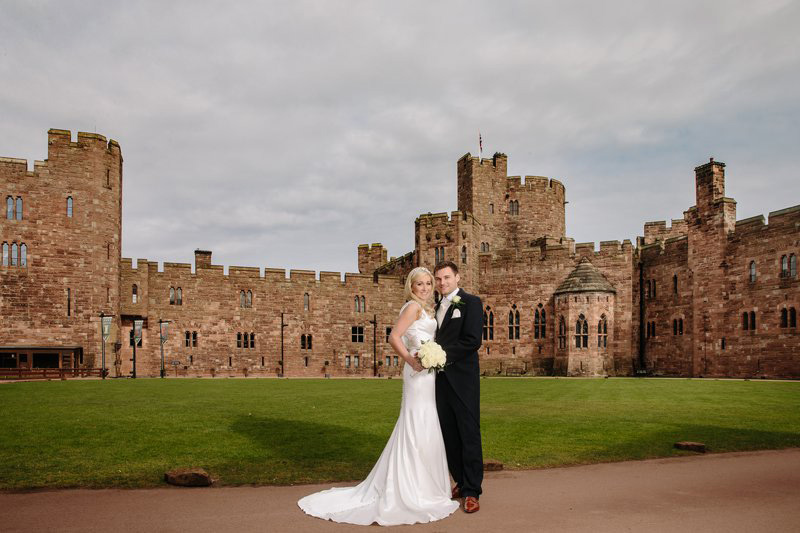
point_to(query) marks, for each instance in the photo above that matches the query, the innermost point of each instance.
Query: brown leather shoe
(456, 494)
(471, 504)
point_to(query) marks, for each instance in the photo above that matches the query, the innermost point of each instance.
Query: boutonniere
(457, 302)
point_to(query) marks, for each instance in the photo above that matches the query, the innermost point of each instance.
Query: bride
(410, 482)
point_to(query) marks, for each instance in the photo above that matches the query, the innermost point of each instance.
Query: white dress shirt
(443, 306)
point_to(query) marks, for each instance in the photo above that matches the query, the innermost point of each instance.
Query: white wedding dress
(410, 482)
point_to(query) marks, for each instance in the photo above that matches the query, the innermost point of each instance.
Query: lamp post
(162, 329)
(137, 336)
(105, 332)
(374, 323)
(283, 325)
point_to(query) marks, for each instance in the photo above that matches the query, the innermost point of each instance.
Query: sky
(284, 134)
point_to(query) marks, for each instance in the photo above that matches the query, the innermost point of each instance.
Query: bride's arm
(407, 317)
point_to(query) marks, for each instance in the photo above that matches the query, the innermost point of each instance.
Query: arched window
(537, 321)
(246, 341)
(752, 320)
(675, 284)
(363, 304)
(303, 341)
(249, 299)
(581, 332)
(784, 266)
(19, 207)
(562, 333)
(647, 330)
(9, 208)
(647, 290)
(187, 338)
(654, 288)
(488, 324)
(306, 302)
(680, 326)
(602, 332)
(242, 299)
(752, 271)
(513, 323)
(464, 255)
(14, 254)
(308, 341)
(358, 304)
(179, 296)
(239, 340)
(252, 340)
(69, 206)
(5, 254)
(436, 255)
(745, 322)
(653, 328)
(491, 209)
(793, 266)
(194, 339)
(792, 317)
(135, 296)
(23, 255)
(784, 318)
(172, 296)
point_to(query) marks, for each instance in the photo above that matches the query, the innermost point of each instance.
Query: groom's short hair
(445, 264)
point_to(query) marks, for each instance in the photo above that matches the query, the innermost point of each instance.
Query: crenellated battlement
(538, 184)
(658, 230)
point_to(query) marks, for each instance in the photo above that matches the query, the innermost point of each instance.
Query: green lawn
(127, 433)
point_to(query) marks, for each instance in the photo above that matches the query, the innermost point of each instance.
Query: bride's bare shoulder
(411, 307)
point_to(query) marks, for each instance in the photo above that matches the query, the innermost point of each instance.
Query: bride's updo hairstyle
(413, 276)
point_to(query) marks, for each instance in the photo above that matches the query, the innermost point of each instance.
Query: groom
(459, 316)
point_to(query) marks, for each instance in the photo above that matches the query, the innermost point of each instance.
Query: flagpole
(480, 146)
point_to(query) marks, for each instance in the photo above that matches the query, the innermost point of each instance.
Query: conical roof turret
(585, 278)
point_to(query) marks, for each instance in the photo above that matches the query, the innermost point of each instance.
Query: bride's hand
(416, 364)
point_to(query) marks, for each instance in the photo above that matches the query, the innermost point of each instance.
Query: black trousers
(462, 439)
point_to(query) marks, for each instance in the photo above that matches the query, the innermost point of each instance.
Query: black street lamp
(283, 325)
(374, 323)
(137, 336)
(105, 332)
(162, 330)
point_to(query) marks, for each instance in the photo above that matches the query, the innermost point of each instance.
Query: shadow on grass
(298, 451)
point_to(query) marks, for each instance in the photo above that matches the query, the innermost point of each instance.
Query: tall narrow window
(745, 322)
(536, 323)
(347, 361)
(187, 342)
(784, 266)
(792, 317)
(172, 296)
(245, 340)
(752, 271)
(14, 254)
(602, 332)
(581, 332)
(388, 332)
(654, 288)
(194, 339)
(23, 255)
(464, 255)
(306, 302)
(436, 256)
(69, 303)
(752, 320)
(562, 333)
(5, 254)
(675, 284)
(308, 341)
(179, 296)
(135, 294)
(358, 304)
(680, 326)
(10, 208)
(69, 206)
(242, 299)
(784, 318)
(647, 291)
(252, 340)
(249, 299)
(793, 266)
(488, 324)
(19, 207)
(303, 341)
(363, 304)
(355, 361)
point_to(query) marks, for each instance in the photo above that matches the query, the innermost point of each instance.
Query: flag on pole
(480, 145)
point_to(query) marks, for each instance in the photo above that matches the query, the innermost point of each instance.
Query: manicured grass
(127, 433)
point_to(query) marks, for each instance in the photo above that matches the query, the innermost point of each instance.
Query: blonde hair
(409, 294)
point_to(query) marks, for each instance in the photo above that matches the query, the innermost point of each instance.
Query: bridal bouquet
(432, 356)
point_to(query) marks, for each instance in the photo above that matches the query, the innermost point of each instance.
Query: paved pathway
(747, 492)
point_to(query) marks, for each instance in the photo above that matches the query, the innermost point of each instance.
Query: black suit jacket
(460, 337)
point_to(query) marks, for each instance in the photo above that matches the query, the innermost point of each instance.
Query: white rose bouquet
(432, 356)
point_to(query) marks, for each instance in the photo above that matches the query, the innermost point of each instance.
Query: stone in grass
(698, 447)
(188, 477)
(492, 465)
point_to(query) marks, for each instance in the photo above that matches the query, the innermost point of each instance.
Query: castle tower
(70, 225)
(709, 223)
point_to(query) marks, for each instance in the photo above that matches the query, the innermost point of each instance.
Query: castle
(706, 296)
